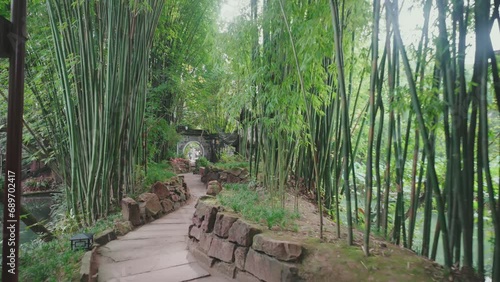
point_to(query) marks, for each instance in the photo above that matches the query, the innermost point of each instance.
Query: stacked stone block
(164, 198)
(238, 249)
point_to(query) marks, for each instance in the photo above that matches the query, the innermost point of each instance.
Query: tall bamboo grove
(102, 50)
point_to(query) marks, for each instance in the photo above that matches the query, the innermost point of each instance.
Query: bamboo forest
(369, 132)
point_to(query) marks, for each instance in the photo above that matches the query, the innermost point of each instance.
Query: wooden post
(12, 188)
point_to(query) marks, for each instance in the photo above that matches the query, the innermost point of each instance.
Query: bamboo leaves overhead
(304, 118)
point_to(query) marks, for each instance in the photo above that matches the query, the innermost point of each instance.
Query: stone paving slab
(156, 251)
(185, 272)
(123, 254)
(153, 234)
(150, 263)
(166, 228)
(138, 243)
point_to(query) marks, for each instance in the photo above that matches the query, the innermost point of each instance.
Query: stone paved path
(157, 251)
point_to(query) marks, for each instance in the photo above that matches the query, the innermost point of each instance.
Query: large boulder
(242, 233)
(208, 222)
(214, 188)
(161, 190)
(244, 175)
(282, 250)
(199, 254)
(151, 204)
(210, 174)
(222, 249)
(223, 176)
(201, 171)
(131, 211)
(180, 165)
(240, 255)
(225, 268)
(175, 198)
(232, 179)
(123, 227)
(194, 232)
(270, 269)
(167, 205)
(105, 237)
(223, 223)
(205, 214)
(205, 241)
(146, 216)
(182, 197)
(235, 171)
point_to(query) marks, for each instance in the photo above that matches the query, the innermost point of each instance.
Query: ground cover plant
(256, 206)
(55, 260)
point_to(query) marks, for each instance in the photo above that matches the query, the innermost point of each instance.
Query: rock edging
(238, 249)
(233, 175)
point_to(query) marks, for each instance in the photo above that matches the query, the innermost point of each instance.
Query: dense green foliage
(392, 134)
(385, 147)
(185, 72)
(162, 139)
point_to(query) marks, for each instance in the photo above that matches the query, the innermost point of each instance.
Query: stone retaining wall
(164, 198)
(238, 249)
(234, 175)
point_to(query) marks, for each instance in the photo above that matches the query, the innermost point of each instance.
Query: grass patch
(55, 261)
(231, 161)
(52, 261)
(256, 207)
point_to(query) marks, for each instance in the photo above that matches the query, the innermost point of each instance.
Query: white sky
(230, 9)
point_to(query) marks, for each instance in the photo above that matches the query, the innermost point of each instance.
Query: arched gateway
(196, 143)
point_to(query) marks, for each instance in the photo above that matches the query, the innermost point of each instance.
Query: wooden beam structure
(12, 188)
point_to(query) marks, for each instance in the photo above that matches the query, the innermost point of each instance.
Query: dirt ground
(332, 259)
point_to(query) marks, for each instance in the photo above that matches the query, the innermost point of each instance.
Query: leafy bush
(158, 172)
(202, 162)
(253, 206)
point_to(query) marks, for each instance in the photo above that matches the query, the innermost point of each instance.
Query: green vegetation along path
(157, 251)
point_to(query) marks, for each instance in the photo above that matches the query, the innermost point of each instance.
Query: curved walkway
(156, 251)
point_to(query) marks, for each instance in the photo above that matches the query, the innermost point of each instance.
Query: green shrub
(202, 162)
(158, 172)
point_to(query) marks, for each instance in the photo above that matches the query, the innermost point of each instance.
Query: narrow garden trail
(157, 251)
